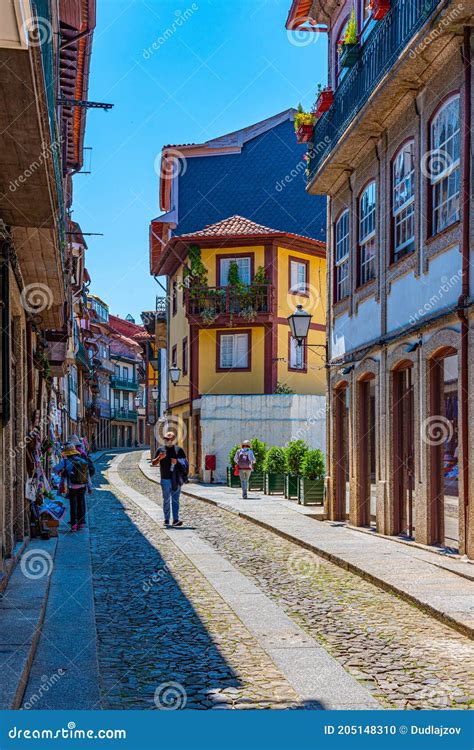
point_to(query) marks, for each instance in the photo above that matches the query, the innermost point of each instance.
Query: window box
(324, 102)
(274, 484)
(310, 491)
(304, 134)
(349, 55)
(379, 9)
(291, 486)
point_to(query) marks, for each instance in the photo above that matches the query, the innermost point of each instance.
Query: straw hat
(246, 442)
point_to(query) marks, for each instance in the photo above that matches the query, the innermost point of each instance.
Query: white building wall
(352, 331)
(275, 419)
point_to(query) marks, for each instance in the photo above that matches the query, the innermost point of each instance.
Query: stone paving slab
(22, 608)
(316, 676)
(441, 586)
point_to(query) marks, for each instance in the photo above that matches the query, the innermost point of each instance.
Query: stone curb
(337, 560)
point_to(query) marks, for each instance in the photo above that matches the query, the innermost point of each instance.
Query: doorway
(341, 457)
(366, 452)
(403, 426)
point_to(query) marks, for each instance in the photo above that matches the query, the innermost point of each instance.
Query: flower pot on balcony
(325, 100)
(291, 486)
(379, 9)
(304, 134)
(274, 484)
(349, 55)
(310, 491)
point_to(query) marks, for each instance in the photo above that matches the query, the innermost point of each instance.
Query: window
(174, 356)
(244, 264)
(126, 402)
(444, 166)
(174, 298)
(185, 356)
(117, 371)
(298, 277)
(403, 201)
(234, 351)
(342, 257)
(367, 216)
(297, 355)
(340, 73)
(125, 373)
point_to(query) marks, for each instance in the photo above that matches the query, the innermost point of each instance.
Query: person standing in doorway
(173, 473)
(245, 460)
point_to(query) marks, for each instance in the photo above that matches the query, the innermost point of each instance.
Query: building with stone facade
(393, 154)
(45, 52)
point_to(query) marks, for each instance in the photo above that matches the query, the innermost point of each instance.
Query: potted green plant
(274, 467)
(295, 452)
(348, 47)
(232, 480)
(311, 483)
(256, 478)
(304, 125)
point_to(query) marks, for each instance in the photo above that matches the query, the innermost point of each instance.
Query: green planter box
(291, 486)
(256, 480)
(349, 55)
(310, 491)
(274, 484)
(232, 481)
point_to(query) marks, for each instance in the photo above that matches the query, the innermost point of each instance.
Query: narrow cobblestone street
(165, 634)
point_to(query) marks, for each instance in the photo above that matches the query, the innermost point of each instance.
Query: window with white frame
(243, 264)
(444, 166)
(403, 201)
(342, 256)
(297, 358)
(234, 351)
(367, 226)
(298, 277)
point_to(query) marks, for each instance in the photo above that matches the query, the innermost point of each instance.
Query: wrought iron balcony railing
(378, 54)
(124, 384)
(209, 303)
(126, 415)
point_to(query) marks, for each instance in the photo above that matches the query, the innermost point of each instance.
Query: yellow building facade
(232, 287)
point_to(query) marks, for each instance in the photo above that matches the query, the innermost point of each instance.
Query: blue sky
(177, 71)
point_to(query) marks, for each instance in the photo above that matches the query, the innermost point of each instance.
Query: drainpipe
(465, 249)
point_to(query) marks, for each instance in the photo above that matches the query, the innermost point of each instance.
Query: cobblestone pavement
(165, 637)
(404, 657)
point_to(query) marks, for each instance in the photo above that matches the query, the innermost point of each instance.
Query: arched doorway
(341, 452)
(403, 450)
(440, 433)
(366, 451)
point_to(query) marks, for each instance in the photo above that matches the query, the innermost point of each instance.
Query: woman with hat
(173, 473)
(75, 467)
(245, 460)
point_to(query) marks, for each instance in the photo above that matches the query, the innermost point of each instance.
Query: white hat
(246, 442)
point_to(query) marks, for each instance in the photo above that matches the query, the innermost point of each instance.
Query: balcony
(124, 384)
(389, 49)
(217, 305)
(123, 415)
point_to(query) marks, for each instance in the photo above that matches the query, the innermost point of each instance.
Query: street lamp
(137, 401)
(155, 393)
(175, 374)
(299, 323)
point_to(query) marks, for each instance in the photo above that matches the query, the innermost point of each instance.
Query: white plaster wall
(349, 332)
(411, 300)
(275, 419)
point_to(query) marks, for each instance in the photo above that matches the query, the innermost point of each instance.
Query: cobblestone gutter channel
(403, 656)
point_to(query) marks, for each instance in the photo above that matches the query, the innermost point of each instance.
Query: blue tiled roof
(264, 183)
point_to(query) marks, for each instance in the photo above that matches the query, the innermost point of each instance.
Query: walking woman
(245, 459)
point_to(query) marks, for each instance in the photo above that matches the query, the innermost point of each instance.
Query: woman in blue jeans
(167, 457)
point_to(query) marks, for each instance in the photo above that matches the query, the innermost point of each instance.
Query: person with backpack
(174, 470)
(74, 467)
(245, 460)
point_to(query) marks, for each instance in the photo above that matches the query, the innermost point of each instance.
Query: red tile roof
(127, 328)
(239, 226)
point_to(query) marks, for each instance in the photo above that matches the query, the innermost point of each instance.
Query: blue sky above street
(177, 72)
